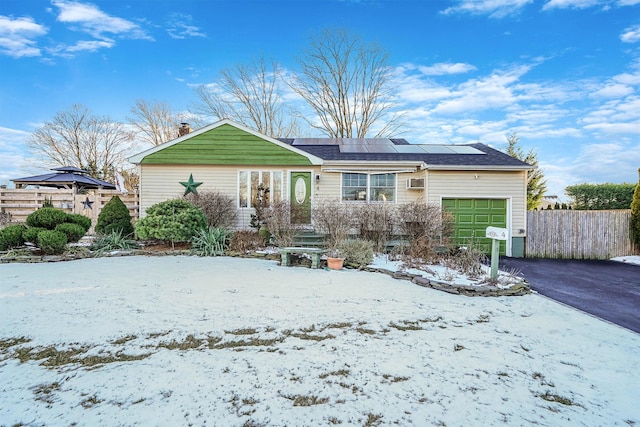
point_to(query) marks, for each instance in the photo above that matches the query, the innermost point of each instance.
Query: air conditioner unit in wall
(415, 184)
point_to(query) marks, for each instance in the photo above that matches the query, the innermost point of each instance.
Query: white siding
(330, 185)
(484, 185)
(162, 182)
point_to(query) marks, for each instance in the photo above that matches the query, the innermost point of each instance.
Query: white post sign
(495, 234)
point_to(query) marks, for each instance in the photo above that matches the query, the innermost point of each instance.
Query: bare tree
(154, 121)
(250, 94)
(346, 83)
(78, 138)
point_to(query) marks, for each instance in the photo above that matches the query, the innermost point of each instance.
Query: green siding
(473, 216)
(226, 145)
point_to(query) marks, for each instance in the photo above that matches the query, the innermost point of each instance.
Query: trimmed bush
(358, 253)
(52, 242)
(47, 218)
(11, 236)
(114, 216)
(171, 221)
(31, 234)
(74, 232)
(81, 220)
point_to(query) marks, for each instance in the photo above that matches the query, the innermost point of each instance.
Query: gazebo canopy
(65, 177)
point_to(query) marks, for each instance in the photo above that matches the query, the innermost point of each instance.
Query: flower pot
(335, 263)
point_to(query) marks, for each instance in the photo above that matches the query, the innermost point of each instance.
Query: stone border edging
(518, 289)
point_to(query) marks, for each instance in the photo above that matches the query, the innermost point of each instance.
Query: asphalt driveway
(609, 290)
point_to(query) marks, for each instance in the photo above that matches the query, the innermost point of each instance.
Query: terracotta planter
(335, 263)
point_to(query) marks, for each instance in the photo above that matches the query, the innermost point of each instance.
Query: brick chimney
(184, 129)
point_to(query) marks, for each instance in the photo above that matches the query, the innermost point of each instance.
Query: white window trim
(368, 189)
(260, 181)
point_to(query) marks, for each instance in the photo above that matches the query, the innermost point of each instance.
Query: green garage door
(473, 216)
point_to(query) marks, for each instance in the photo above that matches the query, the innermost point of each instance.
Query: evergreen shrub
(47, 218)
(173, 220)
(81, 220)
(358, 253)
(11, 236)
(52, 242)
(74, 232)
(114, 216)
(31, 234)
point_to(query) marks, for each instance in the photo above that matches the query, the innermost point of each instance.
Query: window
(354, 186)
(362, 187)
(383, 187)
(249, 183)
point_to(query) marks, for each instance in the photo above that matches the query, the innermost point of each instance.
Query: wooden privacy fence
(573, 234)
(21, 202)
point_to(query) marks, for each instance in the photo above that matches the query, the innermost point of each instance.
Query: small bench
(315, 253)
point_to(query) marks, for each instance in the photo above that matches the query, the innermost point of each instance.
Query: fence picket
(22, 202)
(574, 234)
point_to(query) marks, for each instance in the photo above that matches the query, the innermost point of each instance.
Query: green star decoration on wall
(190, 186)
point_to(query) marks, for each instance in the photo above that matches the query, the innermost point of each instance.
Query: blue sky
(563, 74)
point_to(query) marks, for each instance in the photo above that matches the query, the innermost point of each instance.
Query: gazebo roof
(65, 177)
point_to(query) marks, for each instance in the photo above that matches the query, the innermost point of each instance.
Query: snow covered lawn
(169, 341)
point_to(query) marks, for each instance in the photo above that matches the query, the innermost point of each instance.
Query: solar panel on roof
(353, 148)
(379, 148)
(409, 149)
(437, 149)
(317, 141)
(378, 141)
(465, 149)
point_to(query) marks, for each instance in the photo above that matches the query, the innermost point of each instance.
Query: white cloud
(17, 36)
(574, 4)
(91, 45)
(613, 91)
(95, 22)
(614, 162)
(616, 128)
(610, 162)
(413, 88)
(493, 8)
(583, 4)
(445, 68)
(179, 26)
(619, 116)
(494, 91)
(13, 158)
(631, 34)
